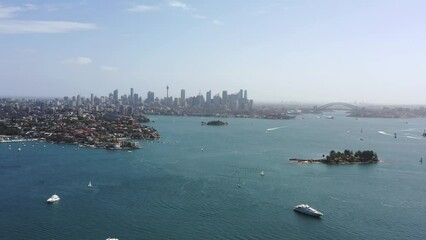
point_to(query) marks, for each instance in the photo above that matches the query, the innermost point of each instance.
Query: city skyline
(281, 51)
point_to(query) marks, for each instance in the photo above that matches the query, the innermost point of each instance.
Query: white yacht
(306, 209)
(110, 238)
(53, 198)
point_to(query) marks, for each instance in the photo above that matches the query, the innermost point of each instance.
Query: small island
(345, 157)
(214, 123)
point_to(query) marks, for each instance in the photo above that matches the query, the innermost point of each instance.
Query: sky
(279, 51)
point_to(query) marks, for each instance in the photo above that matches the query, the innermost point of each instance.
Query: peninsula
(95, 129)
(345, 157)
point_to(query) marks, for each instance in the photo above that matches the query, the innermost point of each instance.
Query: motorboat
(90, 184)
(306, 209)
(110, 238)
(262, 173)
(53, 198)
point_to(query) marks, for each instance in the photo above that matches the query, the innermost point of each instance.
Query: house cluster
(96, 129)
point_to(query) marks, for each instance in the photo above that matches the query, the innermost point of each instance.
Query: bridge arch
(323, 107)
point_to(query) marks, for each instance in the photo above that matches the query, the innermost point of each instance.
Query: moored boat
(306, 209)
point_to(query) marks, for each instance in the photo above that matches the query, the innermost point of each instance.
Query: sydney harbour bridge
(335, 105)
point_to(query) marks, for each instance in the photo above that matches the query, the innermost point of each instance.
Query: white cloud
(142, 8)
(9, 12)
(18, 27)
(79, 61)
(30, 7)
(217, 22)
(108, 68)
(199, 16)
(181, 5)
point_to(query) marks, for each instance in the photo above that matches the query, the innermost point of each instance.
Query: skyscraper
(131, 96)
(224, 97)
(209, 97)
(150, 97)
(115, 95)
(245, 94)
(78, 100)
(182, 97)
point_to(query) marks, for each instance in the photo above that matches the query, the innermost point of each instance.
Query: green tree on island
(348, 156)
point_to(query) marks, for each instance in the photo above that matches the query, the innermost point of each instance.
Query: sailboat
(421, 160)
(90, 184)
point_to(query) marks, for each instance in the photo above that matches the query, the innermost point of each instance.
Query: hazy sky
(354, 51)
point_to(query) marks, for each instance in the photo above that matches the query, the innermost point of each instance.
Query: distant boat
(90, 184)
(53, 198)
(110, 238)
(262, 173)
(394, 135)
(239, 183)
(421, 160)
(202, 149)
(306, 209)
(19, 149)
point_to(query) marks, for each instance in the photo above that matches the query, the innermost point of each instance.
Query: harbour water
(184, 186)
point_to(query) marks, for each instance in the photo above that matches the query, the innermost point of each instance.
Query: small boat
(306, 209)
(110, 238)
(90, 184)
(53, 198)
(262, 173)
(421, 160)
(19, 149)
(239, 183)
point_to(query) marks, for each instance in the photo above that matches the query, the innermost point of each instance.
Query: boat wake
(275, 128)
(385, 133)
(418, 138)
(338, 199)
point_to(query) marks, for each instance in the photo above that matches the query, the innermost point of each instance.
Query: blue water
(185, 185)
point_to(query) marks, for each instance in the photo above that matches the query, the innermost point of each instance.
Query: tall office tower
(209, 97)
(150, 97)
(135, 99)
(115, 95)
(224, 97)
(245, 94)
(240, 94)
(78, 100)
(92, 99)
(182, 97)
(131, 96)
